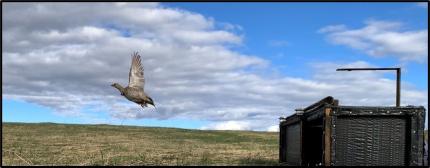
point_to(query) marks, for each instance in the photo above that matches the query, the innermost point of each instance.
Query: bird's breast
(133, 95)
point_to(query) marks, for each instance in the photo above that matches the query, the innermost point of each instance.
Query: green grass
(70, 144)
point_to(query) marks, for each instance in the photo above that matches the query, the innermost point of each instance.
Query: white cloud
(422, 4)
(193, 37)
(382, 38)
(273, 128)
(229, 125)
(69, 66)
(332, 28)
(230, 27)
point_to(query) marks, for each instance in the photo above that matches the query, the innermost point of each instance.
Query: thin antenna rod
(398, 70)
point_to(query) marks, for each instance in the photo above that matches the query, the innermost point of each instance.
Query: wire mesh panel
(371, 140)
(329, 134)
(293, 154)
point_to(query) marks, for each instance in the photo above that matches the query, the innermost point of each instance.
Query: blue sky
(18, 111)
(287, 35)
(297, 24)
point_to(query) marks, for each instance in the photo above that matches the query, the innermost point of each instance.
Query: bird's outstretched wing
(135, 76)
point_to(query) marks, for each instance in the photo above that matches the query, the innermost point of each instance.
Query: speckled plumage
(136, 81)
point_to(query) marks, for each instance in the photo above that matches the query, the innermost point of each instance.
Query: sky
(214, 66)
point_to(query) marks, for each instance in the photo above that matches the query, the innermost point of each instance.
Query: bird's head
(119, 87)
(114, 84)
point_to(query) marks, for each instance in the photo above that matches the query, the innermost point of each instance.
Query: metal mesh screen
(362, 140)
(293, 155)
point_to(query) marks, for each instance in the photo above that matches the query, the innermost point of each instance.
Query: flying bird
(136, 81)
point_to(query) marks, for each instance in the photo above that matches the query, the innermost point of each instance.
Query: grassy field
(64, 144)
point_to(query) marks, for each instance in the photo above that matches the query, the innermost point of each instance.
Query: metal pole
(398, 88)
(398, 70)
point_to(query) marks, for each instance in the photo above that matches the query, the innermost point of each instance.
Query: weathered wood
(327, 137)
(358, 135)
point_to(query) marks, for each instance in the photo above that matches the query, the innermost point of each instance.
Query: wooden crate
(329, 134)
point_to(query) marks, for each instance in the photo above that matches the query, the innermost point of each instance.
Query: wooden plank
(281, 144)
(327, 137)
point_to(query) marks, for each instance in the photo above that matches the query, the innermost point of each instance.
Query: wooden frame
(329, 111)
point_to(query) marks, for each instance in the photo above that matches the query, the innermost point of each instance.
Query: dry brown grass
(59, 144)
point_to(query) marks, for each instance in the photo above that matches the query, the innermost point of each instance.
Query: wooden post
(327, 137)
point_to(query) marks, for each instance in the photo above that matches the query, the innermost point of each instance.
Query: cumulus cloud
(190, 70)
(382, 38)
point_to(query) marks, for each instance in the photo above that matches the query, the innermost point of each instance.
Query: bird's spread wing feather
(135, 76)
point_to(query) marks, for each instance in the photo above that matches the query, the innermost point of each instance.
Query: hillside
(69, 144)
